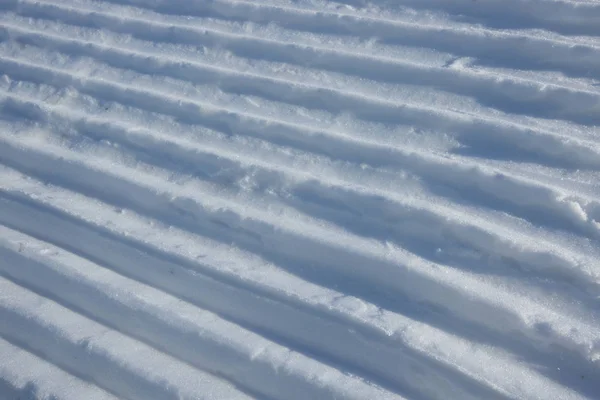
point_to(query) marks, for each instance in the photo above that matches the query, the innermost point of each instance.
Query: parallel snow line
(259, 277)
(537, 204)
(230, 121)
(565, 17)
(546, 146)
(385, 11)
(378, 361)
(550, 262)
(509, 94)
(24, 375)
(491, 47)
(229, 9)
(196, 156)
(315, 14)
(105, 357)
(170, 324)
(171, 276)
(412, 333)
(548, 259)
(36, 107)
(285, 237)
(367, 106)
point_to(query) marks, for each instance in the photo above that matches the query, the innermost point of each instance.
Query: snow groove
(328, 190)
(532, 98)
(299, 199)
(487, 46)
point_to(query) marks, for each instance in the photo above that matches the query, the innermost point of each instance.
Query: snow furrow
(24, 375)
(250, 230)
(226, 299)
(534, 202)
(409, 334)
(168, 323)
(563, 16)
(293, 199)
(507, 48)
(254, 229)
(105, 357)
(550, 147)
(324, 195)
(509, 94)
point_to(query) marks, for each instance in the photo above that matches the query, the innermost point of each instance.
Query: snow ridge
(299, 199)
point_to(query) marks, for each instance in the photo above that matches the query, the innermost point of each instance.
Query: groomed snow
(300, 199)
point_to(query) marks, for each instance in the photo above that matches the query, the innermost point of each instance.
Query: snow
(300, 199)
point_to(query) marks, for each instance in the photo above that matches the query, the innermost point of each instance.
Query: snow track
(300, 199)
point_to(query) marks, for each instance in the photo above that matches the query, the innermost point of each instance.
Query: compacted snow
(300, 199)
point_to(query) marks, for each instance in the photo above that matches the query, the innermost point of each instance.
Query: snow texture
(300, 199)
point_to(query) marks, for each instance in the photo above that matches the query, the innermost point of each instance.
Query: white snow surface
(300, 199)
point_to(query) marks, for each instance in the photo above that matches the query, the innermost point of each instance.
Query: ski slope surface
(300, 199)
